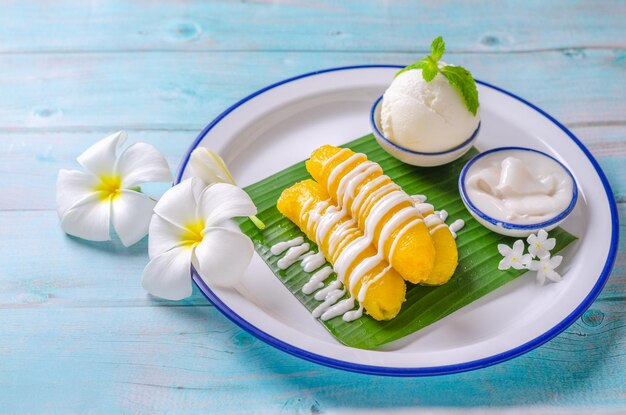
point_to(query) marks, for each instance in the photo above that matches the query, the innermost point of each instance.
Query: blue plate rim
(416, 371)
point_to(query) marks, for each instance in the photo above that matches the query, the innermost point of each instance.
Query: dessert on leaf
(366, 275)
(410, 235)
(368, 251)
(374, 233)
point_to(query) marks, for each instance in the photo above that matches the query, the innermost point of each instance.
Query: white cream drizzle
(324, 217)
(338, 309)
(333, 285)
(436, 219)
(456, 226)
(281, 247)
(331, 294)
(293, 255)
(419, 198)
(330, 300)
(443, 214)
(312, 261)
(353, 315)
(317, 280)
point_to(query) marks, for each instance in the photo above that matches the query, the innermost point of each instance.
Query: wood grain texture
(163, 90)
(75, 317)
(312, 25)
(79, 335)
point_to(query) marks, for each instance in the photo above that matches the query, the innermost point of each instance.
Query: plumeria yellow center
(109, 187)
(193, 233)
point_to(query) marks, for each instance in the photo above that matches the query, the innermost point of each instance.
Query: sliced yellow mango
(446, 252)
(409, 249)
(304, 204)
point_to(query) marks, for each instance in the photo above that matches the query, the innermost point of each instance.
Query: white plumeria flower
(210, 168)
(87, 203)
(539, 245)
(545, 268)
(191, 225)
(513, 257)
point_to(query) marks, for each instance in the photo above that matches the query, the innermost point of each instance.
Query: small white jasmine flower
(513, 257)
(539, 245)
(191, 225)
(87, 203)
(545, 268)
(210, 168)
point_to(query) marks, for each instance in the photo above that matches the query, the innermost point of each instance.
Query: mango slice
(446, 252)
(305, 204)
(411, 251)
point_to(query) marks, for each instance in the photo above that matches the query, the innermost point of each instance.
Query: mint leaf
(430, 69)
(437, 48)
(417, 65)
(461, 79)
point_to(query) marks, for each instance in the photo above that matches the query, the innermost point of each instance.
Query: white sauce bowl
(507, 228)
(416, 158)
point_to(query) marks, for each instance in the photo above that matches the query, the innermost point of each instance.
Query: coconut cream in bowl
(517, 191)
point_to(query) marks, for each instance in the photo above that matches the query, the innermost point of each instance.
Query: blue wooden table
(79, 335)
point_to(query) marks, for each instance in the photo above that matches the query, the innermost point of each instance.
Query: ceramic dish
(282, 123)
(417, 158)
(513, 229)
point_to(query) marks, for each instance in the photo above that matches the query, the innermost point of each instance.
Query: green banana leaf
(476, 275)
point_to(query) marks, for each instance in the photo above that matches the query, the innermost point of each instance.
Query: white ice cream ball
(425, 116)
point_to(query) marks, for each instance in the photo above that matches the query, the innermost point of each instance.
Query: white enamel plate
(281, 124)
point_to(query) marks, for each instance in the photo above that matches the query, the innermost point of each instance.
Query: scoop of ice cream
(425, 116)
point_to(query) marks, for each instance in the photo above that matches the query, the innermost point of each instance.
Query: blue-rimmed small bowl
(417, 158)
(507, 228)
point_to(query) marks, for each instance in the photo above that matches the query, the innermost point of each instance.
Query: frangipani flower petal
(179, 204)
(168, 275)
(223, 256)
(72, 187)
(222, 201)
(89, 203)
(141, 163)
(100, 158)
(131, 213)
(163, 236)
(88, 219)
(209, 167)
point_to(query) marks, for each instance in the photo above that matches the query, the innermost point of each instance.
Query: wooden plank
(76, 319)
(78, 332)
(320, 25)
(51, 92)
(37, 158)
